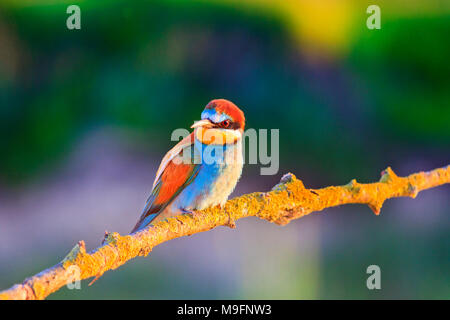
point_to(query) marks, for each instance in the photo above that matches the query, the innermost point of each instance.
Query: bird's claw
(191, 213)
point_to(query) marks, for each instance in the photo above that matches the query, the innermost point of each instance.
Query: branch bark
(287, 201)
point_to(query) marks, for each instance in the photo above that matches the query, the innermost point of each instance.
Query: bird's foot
(191, 213)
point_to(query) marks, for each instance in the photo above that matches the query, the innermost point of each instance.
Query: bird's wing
(186, 142)
(171, 178)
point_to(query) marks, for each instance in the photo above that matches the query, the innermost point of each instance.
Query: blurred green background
(86, 115)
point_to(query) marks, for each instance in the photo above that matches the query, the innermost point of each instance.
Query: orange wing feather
(171, 178)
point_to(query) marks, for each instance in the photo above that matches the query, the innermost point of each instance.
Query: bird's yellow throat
(217, 136)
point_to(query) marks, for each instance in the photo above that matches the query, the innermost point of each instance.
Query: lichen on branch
(288, 200)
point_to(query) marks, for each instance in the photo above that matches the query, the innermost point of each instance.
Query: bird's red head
(222, 123)
(226, 109)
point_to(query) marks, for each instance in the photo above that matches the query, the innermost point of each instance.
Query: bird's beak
(202, 123)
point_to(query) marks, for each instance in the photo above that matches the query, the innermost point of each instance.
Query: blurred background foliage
(93, 109)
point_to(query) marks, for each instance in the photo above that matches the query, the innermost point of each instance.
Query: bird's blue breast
(214, 182)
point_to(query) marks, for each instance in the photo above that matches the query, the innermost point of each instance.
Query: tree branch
(288, 200)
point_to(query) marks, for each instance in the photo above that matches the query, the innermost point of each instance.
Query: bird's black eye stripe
(223, 125)
(234, 126)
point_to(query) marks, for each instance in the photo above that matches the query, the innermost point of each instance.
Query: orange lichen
(288, 200)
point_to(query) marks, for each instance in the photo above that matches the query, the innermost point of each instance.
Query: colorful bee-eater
(202, 169)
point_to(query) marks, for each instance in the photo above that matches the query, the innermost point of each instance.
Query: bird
(200, 171)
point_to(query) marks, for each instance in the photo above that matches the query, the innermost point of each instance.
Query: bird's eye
(225, 123)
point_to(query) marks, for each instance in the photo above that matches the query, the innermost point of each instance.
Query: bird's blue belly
(212, 185)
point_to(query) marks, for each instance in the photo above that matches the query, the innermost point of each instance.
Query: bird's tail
(143, 222)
